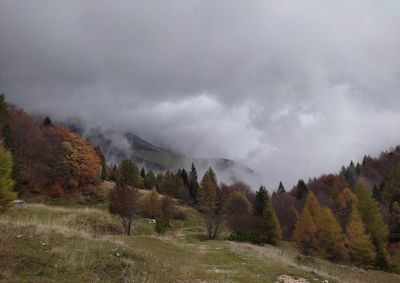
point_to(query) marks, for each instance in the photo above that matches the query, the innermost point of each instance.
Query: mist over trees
(352, 216)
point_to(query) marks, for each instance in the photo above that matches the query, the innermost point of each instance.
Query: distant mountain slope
(117, 147)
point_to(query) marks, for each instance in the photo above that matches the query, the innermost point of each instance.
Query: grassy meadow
(78, 243)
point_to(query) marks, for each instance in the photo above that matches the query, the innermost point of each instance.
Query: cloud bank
(290, 88)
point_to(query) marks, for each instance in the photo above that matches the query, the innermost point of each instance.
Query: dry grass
(336, 272)
(73, 253)
(45, 228)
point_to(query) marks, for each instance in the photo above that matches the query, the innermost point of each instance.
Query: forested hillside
(351, 218)
(48, 159)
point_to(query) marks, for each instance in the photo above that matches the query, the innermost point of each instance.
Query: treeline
(363, 199)
(47, 159)
(338, 217)
(248, 215)
(353, 216)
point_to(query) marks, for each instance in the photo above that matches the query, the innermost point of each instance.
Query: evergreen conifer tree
(302, 190)
(6, 182)
(270, 228)
(260, 201)
(193, 183)
(281, 188)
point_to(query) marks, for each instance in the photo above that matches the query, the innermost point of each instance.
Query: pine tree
(128, 175)
(142, 173)
(47, 122)
(391, 192)
(281, 188)
(270, 228)
(260, 201)
(395, 223)
(377, 191)
(8, 138)
(302, 190)
(351, 175)
(6, 182)
(193, 183)
(4, 112)
(150, 181)
(185, 178)
(357, 242)
(104, 167)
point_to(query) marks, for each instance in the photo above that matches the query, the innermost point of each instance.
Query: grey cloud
(292, 89)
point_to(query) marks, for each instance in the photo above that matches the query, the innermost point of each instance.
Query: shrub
(56, 191)
(161, 226)
(100, 224)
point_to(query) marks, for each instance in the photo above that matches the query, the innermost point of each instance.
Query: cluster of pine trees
(358, 232)
(249, 216)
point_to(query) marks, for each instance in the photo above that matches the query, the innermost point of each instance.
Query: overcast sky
(292, 89)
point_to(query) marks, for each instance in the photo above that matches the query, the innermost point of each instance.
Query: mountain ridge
(128, 145)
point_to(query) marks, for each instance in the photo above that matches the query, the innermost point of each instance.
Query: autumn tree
(374, 224)
(357, 242)
(260, 201)
(6, 132)
(237, 210)
(6, 182)
(82, 160)
(213, 222)
(207, 194)
(152, 204)
(167, 207)
(347, 201)
(318, 231)
(207, 199)
(124, 202)
(330, 236)
(305, 232)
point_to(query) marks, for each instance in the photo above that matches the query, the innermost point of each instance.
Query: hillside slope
(117, 147)
(44, 243)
